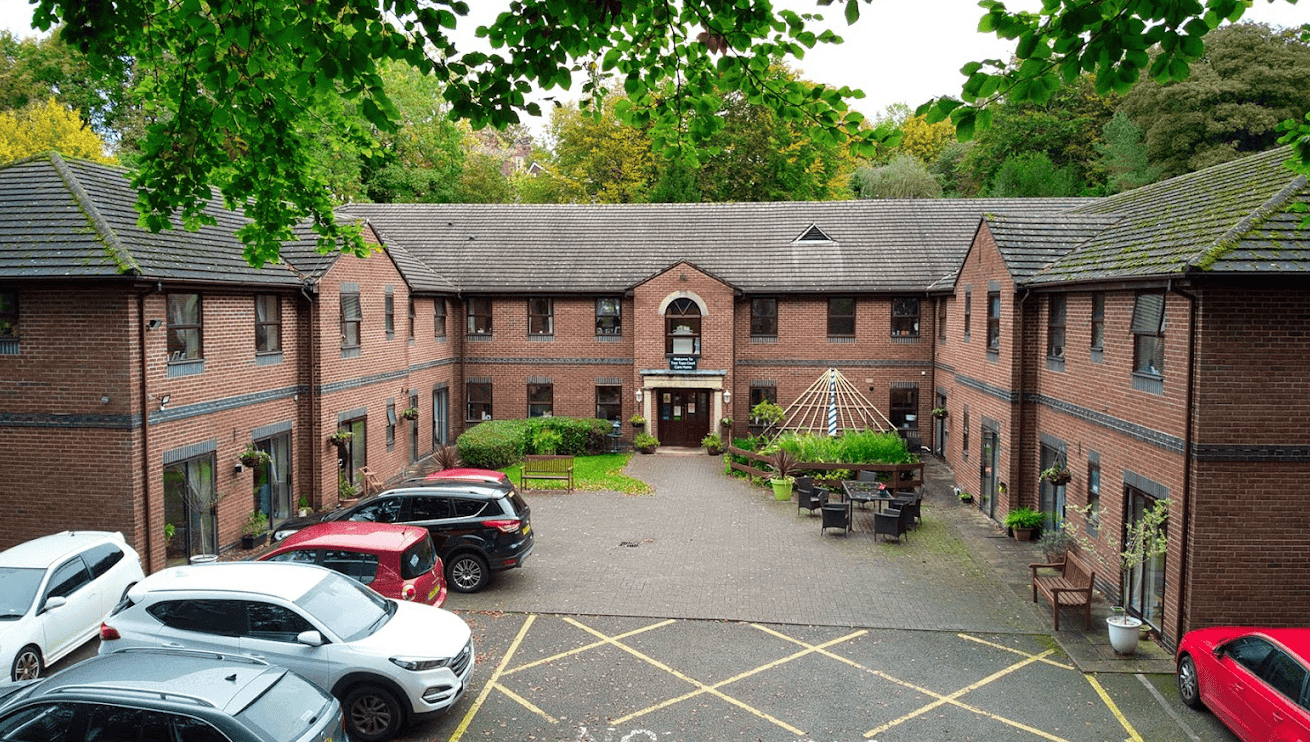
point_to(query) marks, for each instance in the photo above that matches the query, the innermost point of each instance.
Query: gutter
(1188, 442)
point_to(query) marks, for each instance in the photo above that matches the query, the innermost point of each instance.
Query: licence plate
(433, 592)
(527, 527)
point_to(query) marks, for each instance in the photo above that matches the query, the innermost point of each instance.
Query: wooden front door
(684, 416)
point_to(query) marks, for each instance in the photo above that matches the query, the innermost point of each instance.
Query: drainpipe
(312, 429)
(146, 488)
(1188, 435)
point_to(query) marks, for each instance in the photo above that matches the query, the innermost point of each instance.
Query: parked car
(53, 592)
(396, 560)
(388, 661)
(169, 695)
(1257, 681)
(478, 527)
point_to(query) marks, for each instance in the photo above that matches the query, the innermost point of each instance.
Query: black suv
(478, 527)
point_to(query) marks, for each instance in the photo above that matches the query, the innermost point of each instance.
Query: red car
(397, 561)
(1255, 680)
(485, 475)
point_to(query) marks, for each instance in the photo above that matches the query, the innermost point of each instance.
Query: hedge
(496, 444)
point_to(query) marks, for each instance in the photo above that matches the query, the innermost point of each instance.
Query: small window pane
(8, 314)
(1249, 652)
(841, 316)
(609, 316)
(541, 319)
(439, 318)
(1055, 322)
(350, 320)
(268, 324)
(468, 508)
(429, 508)
(1098, 321)
(275, 623)
(764, 317)
(609, 402)
(541, 400)
(479, 402)
(993, 321)
(184, 327)
(479, 316)
(905, 317)
(386, 510)
(1285, 675)
(389, 314)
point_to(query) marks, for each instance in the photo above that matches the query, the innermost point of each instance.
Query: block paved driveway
(709, 611)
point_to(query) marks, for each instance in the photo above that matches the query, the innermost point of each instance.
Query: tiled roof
(1029, 244)
(1230, 218)
(76, 219)
(893, 245)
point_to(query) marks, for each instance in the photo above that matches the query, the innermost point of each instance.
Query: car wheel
(1189, 688)
(372, 714)
(467, 573)
(27, 664)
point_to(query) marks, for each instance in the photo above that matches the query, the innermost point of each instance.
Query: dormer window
(682, 328)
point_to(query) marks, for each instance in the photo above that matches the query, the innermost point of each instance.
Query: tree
(1032, 174)
(610, 161)
(233, 84)
(1249, 80)
(1123, 156)
(924, 140)
(43, 126)
(904, 177)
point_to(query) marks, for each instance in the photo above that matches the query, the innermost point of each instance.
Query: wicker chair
(912, 506)
(890, 522)
(809, 496)
(836, 515)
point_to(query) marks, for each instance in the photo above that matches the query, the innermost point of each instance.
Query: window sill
(609, 338)
(478, 338)
(353, 351)
(841, 339)
(993, 355)
(1055, 363)
(541, 338)
(905, 339)
(1148, 382)
(185, 368)
(764, 339)
(272, 358)
(9, 347)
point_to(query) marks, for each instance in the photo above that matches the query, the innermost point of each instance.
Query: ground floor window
(1143, 587)
(352, 455)
(541, 400)
(273, 479)
(190, 523)
(479, 401)
(609, 403)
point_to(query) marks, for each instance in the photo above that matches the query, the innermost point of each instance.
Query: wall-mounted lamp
(727, 397)
(240, 467)
(638, 395)
(154, 324)
(163, 401)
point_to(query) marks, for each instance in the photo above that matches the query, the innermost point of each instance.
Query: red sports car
(397, 561)
(1255, 680)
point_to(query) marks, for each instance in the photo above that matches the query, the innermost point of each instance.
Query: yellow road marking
(994, 645)
(593, 645)
(491, 682)
(656, 663)
(1132, 733)
(525, 703)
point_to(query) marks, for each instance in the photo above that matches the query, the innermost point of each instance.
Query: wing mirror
(311, 638)
(52, 602)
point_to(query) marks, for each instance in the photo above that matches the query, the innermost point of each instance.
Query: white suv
(54, 591)
(390, 662)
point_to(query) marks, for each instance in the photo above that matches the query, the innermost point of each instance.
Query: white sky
(900, 51)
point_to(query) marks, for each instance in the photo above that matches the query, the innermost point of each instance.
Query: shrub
(1024, 517)
(546, 441)
(496, 444)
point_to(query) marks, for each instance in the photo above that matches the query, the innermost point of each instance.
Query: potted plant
(767, 415)
(253, 457)
(1144, 540)
(939, 412)
(255, 532)
(341, 437)
(726, 424)
(645, 443)
(637, 421)
(1022, 520)
(347, 491)
(713, 444)
(784, 464)
(965, 497)
(1057, 474)
(409, 413)
(303, 505)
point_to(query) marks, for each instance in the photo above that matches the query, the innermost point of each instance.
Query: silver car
(170, 694)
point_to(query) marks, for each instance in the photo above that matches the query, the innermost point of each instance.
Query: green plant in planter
(965, 496)
(341, 437)
(252, 457)
(713, 444)
(409, 413)
(645, 442)
(303, 504)
(939, 412)
(1024, 517)
(768, 414)
(726, 422)
(346, 490)
(637, 421)
(1057, 474)
(256, 523)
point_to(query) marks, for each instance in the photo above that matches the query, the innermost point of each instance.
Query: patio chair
(809, 496)
(836, 515)
(867, 476)
(890, 522)
(912, 506)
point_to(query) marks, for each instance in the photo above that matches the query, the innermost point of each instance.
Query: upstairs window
(905, 317)
(1055, 319)
(764, 317)
(541, 317)
(609, 316)
(1098, 321)
(411, 318)
(682, 328)
(968, 310)
(184, 327)
(350, 319)
(268, 324)
(389, 315)
(479, 316)
(439, 318)
(1148, 334)
(391, 425)
(841, 317)
(941, 319)
(993, 320)
(8, 315)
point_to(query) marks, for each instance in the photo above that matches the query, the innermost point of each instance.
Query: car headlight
(416, 664)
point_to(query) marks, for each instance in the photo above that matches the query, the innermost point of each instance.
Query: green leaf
(852, 11)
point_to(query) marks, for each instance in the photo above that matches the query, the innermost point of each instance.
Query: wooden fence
(899, 476)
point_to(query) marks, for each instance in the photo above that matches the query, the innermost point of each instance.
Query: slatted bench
(540, 466)
(1071, 587)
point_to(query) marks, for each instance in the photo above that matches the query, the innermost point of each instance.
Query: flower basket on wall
(1058, 474)
(340, 438)
(409, 413)
(253, 457)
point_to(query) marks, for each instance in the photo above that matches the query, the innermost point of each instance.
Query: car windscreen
(418, 559)
(287, 709)
(18, 588)
(347, 608)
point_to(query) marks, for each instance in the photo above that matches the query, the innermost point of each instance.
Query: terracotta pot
(1023, 534)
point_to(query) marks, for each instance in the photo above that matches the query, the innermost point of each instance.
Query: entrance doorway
(684, 416)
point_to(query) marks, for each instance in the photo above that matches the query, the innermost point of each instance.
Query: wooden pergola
(832, 405)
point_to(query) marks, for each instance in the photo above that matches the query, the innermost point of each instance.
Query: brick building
(1150, 340)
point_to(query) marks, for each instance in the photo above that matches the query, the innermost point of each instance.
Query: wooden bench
(1072, 587)
(558, 468)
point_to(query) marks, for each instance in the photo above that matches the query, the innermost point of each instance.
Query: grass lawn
(603, 472)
